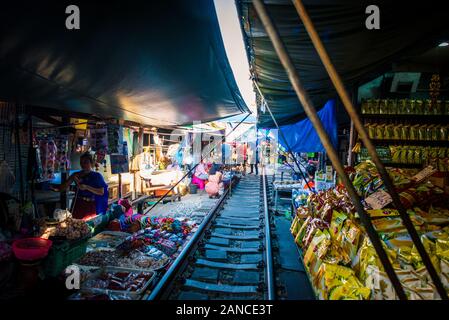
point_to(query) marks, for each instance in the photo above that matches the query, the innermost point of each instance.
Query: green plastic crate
(62, 255)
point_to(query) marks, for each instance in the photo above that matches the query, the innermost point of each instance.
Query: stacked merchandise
(407, 132)
(405, 107)
(338, 255)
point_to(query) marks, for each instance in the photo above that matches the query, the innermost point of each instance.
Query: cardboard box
(440, 179)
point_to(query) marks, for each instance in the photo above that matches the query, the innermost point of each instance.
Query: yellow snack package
(431, 251)
(338, 218)
(442, 249)
(444, 275)
(294, 228)
(380, 131)
(301, 232)
(376, 213)
(414, 132)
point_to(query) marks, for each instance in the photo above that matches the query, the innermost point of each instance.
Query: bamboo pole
(344, 96)
(312, 115)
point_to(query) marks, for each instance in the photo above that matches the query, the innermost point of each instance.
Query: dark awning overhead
(358, 53)
(154, 62)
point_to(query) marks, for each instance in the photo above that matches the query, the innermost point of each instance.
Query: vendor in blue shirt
(92, 191)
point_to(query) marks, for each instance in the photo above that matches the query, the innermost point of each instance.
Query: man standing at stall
(92, 191)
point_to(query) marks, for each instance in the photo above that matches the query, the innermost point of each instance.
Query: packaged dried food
(422, 132)
(442, 249)
(372, 131)
(401, 106)
(414, 132)
(419, 107)
(395, 153)
(383, 106)
(405, 132)
(392, 106)
(408, 106)
(380, 128)
(375, 106)
(376, 213)
(429, 132)
(365, 107)
(412, 107)
(427, 107)
(438, 108)
(443, 132)
(397, 132)
(389, 132)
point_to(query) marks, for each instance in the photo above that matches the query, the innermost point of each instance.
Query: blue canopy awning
(302, 137)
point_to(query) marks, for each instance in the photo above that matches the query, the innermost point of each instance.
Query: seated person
(214, 185)
(201, 171)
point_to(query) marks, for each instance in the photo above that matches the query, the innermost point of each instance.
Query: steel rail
(352, 112)
(268, 254)
(311, 112)
(171, 273)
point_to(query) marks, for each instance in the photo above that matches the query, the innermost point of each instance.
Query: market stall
(334, 244)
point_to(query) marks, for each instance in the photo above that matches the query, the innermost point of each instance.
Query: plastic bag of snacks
(340, 283)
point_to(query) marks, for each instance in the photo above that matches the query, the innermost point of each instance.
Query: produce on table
(70, 228)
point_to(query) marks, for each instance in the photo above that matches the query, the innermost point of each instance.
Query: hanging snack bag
(429, 130)
(380, 131)
(417, 156)
(392, 106)
(427, 106)
(419, 107)
(383, 106)
(389, 132)
(401, 106)
(405, 132)
(443, 133)
(414, 132)
(376, 106)
(364, 107)
(397, 132)
(372, 130)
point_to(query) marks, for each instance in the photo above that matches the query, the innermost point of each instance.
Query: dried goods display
(338, 255)
(118, 280)
(405, 106)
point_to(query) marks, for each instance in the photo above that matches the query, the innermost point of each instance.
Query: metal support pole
(344, 96)
(313, 116)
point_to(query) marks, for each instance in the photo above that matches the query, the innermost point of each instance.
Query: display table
(284, 186)
(159, 180)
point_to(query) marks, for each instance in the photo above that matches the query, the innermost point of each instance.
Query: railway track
(230, 256)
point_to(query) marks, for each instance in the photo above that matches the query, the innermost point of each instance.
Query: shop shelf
(444, 118)
(380, 142)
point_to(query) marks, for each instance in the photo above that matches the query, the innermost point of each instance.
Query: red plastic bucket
(31, 249)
